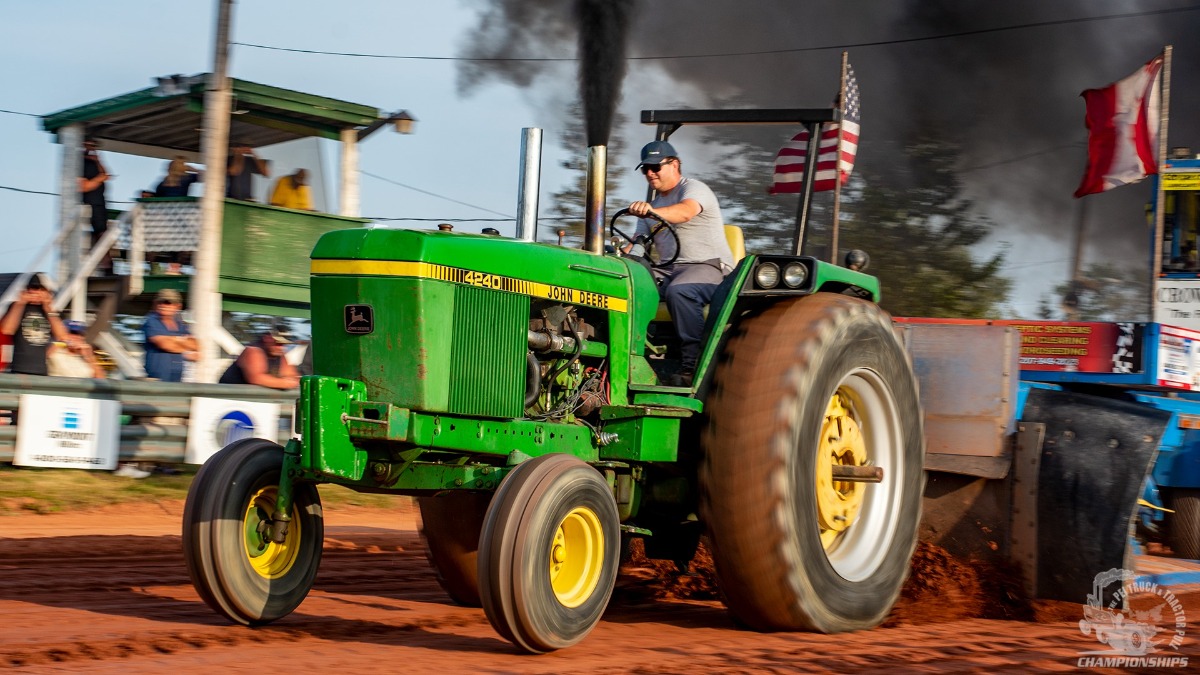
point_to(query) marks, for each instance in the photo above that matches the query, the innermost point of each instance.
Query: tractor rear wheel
(1185, 522)
(450, 526)
(236, 569)
(809, 385)
(548, 553)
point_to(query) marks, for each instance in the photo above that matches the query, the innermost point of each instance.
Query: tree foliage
(915, 223)
(1103, 292)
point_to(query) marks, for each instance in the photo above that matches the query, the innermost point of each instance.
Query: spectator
(263, 363)
(168, 341)
(74, 357)
(242, 164)
(180, 177)
(91, 187)
(292, 192)
(32, 322)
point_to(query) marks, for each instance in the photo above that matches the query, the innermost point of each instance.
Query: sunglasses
(656, 168)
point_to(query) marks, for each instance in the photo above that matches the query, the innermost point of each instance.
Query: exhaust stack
(597, 171)
(530, 180)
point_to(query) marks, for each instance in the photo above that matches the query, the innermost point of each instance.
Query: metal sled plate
(1095, 457)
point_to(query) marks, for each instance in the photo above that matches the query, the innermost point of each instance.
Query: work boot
(683, 378)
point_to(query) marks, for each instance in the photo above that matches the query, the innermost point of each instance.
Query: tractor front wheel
(809, 393)
(234, 565)
(548, 553)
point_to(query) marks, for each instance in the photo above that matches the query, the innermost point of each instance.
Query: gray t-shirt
(701, 238)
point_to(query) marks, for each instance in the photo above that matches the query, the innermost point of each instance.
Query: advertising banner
(217, 422)
(1084, 347)
(68, 433)
(1178, 363)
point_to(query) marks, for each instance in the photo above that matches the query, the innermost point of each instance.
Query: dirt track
(108, 592)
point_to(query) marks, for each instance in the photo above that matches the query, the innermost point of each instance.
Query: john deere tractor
(516, 389)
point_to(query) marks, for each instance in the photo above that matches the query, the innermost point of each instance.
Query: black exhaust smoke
(603, 26)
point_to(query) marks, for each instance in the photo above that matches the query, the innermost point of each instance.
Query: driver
(688, 284)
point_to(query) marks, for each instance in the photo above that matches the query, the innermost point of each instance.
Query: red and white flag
(1123, 120)
(789, 163)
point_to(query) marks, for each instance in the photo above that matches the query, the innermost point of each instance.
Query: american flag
(789, 163)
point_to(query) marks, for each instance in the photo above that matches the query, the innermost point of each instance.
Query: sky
(62, 53)
(1003, 81)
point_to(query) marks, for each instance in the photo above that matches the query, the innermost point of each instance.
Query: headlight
(794, 275)
(767, 275)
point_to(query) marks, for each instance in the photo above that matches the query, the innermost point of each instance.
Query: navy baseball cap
(655, 152)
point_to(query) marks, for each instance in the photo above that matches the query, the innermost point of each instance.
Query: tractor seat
(737, 244)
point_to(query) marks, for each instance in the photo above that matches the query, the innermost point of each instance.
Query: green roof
(171, 116)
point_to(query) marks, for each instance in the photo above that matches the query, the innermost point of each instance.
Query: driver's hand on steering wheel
(640, 209)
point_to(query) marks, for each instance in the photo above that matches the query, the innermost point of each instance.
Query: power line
(17, 112)
(434, 194)
(31, 192)
(794, 50)
(1002, 162)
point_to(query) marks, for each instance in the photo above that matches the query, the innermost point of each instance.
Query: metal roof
(170, 115)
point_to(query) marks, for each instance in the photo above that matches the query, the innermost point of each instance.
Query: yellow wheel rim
(838, 502)
(269, 559)
(577, 557)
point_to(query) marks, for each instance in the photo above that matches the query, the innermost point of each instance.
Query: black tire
(1185, 522)
(791, 554)
(547, 505)
(235, 570)
(450, 527)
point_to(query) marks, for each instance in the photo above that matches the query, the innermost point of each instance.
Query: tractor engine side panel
(425, 335)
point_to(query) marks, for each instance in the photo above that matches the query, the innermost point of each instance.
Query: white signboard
(1178, 358)
(217, 422)
(68, 433)
(1177, 302)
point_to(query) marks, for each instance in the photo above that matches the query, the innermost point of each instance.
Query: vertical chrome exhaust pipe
(530, 182)
(597, 170)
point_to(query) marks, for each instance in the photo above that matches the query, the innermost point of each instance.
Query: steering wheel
(647, 244)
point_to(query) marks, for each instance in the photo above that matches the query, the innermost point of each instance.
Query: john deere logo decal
(360, 319)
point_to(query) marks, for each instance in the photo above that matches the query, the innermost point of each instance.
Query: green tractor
(516, 390)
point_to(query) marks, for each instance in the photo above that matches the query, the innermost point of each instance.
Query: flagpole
(837, 165)
(1165, 106)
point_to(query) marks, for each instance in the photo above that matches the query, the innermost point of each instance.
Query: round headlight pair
(767, 276)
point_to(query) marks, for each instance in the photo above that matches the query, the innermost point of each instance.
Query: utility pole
(1074, 282)
(204, 296)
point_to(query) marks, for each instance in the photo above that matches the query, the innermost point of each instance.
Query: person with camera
(33, 325)
(242, 164)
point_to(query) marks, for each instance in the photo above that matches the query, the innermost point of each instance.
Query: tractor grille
(487, 357)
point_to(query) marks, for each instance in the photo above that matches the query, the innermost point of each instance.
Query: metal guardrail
(155, 415)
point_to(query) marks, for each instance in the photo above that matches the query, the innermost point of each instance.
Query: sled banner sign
(1084, 347)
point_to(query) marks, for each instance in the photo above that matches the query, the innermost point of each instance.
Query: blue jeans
(687, 288)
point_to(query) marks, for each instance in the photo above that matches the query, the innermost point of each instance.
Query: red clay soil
(107, 592)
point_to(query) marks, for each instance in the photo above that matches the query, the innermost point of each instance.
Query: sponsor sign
(1181, 180)
(68, 433)
(217, 422)
(1085, 347)
(1177, 302)
(1178, 362)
